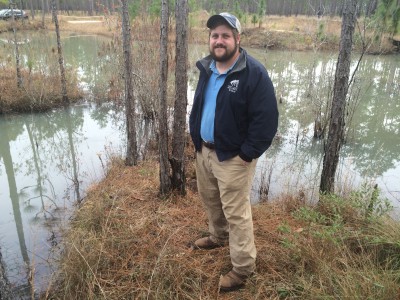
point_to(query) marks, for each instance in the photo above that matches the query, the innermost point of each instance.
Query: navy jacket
(246, 113)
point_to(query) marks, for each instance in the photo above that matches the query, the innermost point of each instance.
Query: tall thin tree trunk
(112, 7)
(21, 6)
(165, 180)
(17, 60)
(43, 13)
(91, 7)
(179, 137)
(131, 151)
(107, 6)
(32, 10)
(340, 89)
(60, 54)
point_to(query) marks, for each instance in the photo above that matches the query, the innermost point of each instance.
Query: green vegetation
(125, 243)
(387, 16)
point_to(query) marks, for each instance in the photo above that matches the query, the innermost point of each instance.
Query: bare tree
(43, 13)
(131, 151)
(340, 89)
(60, 54)
(90, 8)
(19, 76)
(112, 6)
(21, 7)
(32, 10)
(107, 6)
(165, 180)
(179, 133)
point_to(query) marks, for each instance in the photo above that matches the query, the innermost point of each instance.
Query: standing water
(369, 156)
(47, 162)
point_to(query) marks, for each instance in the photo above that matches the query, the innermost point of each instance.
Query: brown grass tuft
(39, 92)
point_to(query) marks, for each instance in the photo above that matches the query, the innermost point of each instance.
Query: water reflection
(91, 57)
(370, 153)
(9, 133)
(47, 162)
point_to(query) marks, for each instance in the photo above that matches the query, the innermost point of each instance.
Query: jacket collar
(239, 66)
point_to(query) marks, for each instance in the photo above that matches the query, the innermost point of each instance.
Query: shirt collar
(213, 67)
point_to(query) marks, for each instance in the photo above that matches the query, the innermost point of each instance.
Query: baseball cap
(228, 18)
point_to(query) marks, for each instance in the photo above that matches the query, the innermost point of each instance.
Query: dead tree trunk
(340, 89)
(60, 54)
(165, 180)
(17, 59)
(179, 137)
(131, 150)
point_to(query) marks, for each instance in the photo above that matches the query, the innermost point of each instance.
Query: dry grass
(105, 25)
(39, 92)
(126, 243)
(19, 25)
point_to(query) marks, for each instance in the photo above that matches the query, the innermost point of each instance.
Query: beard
(225, 57)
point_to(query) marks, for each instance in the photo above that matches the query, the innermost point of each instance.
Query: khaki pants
(225, 190)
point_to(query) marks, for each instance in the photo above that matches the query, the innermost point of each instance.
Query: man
(233, 121)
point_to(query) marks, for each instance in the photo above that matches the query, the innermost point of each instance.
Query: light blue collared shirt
(210, 100)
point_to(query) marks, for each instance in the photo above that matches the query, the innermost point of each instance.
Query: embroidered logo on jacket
(233, 86)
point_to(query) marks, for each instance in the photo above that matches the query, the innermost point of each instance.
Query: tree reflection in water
(304, 83)
(49, 160)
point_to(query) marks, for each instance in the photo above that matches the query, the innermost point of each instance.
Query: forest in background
(382, 15)
(153, 7)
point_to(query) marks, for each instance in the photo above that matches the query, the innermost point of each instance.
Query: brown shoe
(205, 243)
(232, 281)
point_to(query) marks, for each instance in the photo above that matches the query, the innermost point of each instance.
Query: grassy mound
(126, 243)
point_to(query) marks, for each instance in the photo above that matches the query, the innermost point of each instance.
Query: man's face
(223, 45)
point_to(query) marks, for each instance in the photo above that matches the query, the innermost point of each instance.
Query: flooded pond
(48, 160)
(47, 163)
(370, 154)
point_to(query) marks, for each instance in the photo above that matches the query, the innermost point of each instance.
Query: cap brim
(213, 19)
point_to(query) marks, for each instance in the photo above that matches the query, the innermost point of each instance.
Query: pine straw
(127, 243)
